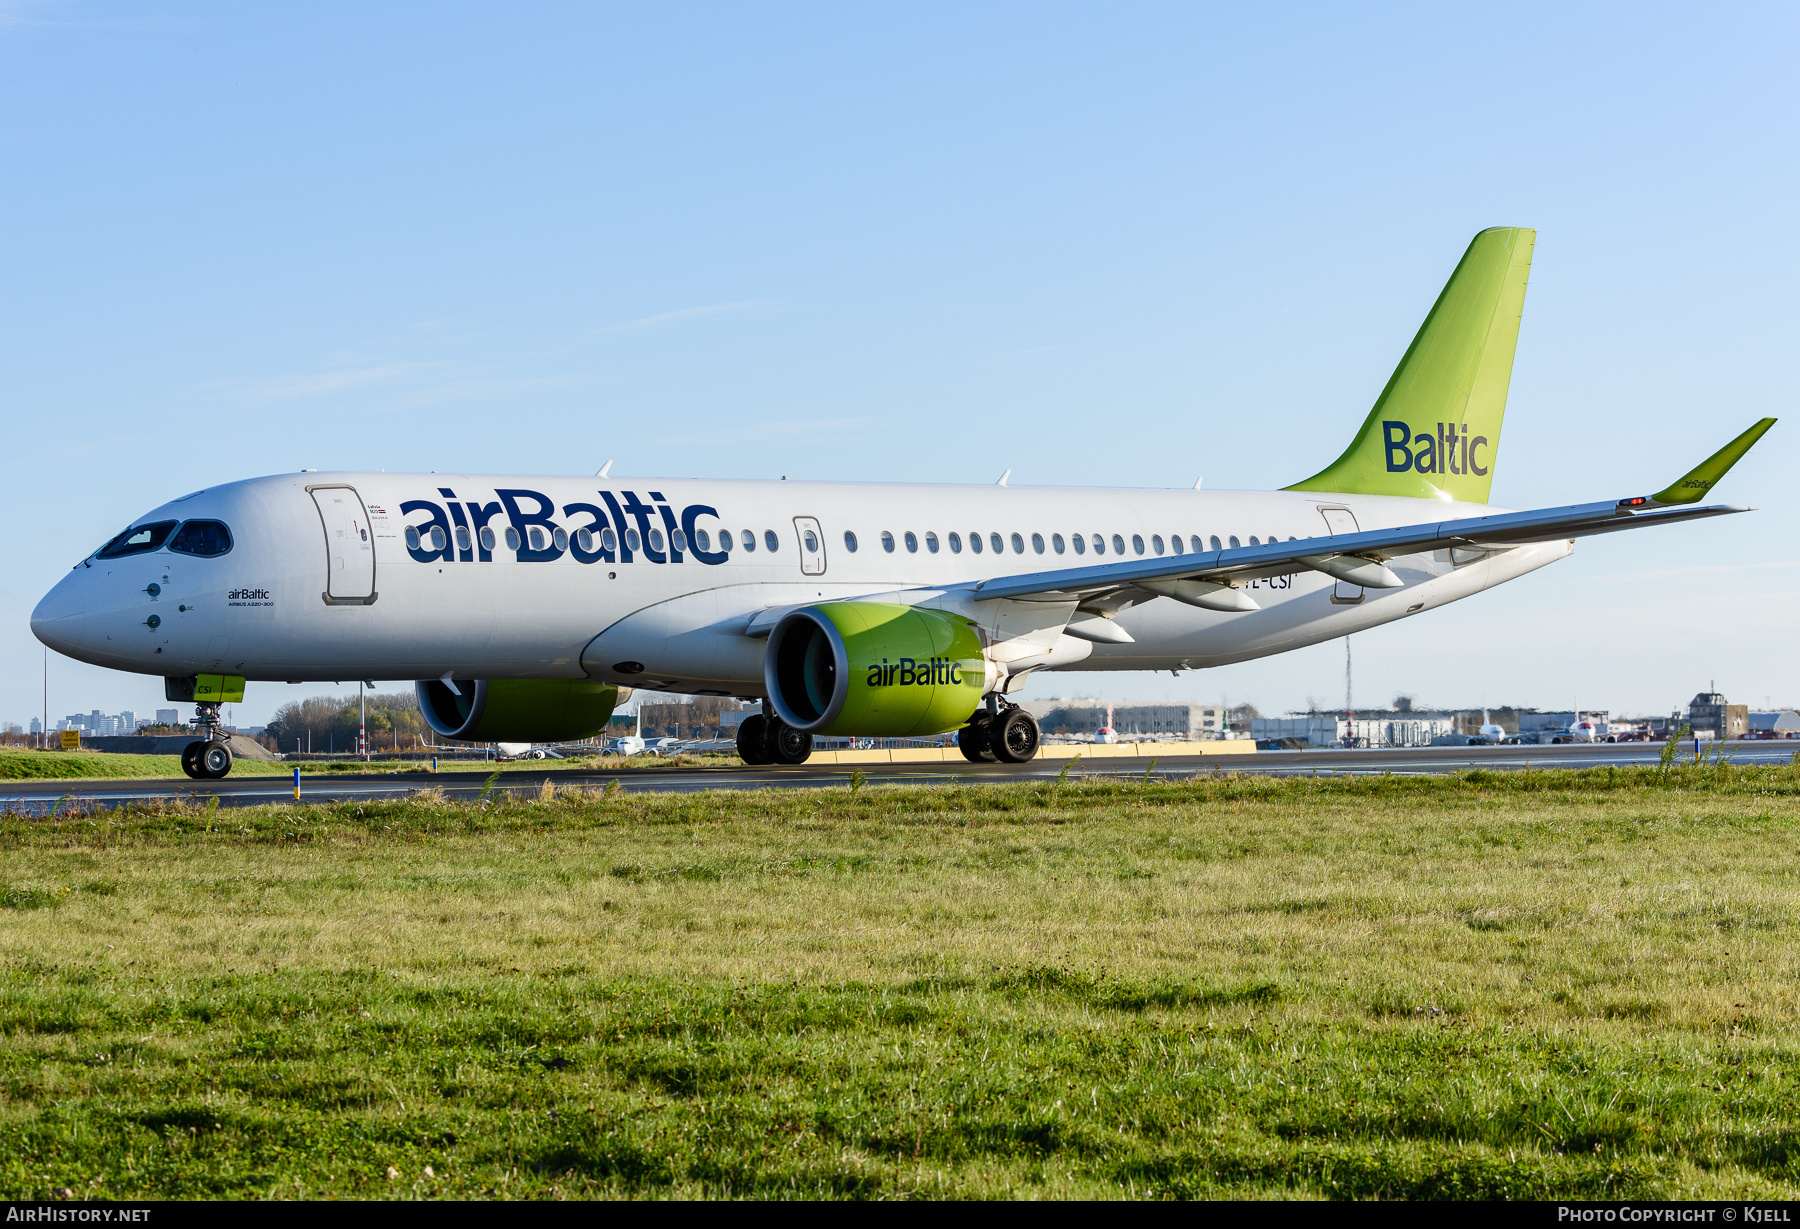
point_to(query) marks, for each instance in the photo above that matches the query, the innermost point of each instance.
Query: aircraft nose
(60, 619)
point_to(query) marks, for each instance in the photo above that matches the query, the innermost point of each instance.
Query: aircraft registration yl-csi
(524, 605)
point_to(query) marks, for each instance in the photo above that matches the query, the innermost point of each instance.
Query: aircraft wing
(1360, 558)
(1339, 554)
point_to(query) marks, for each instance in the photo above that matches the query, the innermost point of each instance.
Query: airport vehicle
(523, 604)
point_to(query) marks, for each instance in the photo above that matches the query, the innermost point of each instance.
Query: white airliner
(524, 604)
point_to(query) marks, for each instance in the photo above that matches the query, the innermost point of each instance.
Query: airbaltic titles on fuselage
(459, 530)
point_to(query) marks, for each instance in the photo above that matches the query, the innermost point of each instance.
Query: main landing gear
(208, 758)
(767, 739)
(1005, 733)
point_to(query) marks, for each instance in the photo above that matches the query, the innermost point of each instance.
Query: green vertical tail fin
(1436, 426)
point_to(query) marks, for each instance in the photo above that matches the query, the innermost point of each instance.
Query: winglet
(1692, 486)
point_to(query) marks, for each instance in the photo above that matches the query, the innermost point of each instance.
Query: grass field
(1521, 985)
(96, 765)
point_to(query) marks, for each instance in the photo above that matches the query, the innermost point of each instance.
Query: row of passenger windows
(586, 541)
(1098, 543)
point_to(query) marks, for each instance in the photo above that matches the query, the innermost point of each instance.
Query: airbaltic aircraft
(524, 604)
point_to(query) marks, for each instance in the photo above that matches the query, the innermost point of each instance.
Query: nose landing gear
(208, 758)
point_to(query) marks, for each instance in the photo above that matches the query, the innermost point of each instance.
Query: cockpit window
(201, 538)
(136, 540)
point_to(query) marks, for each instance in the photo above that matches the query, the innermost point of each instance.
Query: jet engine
(876, 669)
(517, 710)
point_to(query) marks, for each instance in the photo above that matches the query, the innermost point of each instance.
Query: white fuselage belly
(260, 610)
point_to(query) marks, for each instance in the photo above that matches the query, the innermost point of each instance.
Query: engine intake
(518, 710)
(875, 668)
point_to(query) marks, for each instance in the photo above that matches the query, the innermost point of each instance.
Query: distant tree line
(328, 723)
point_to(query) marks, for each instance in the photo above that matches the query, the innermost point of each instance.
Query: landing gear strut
(1008, 734)
(208, 758)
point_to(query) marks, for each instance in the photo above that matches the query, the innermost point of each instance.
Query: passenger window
(1137, 543)
(486, 538)
(1080, 543)
(584, 540)
(849, 541)
(656, 539)
(956, 544)
(994, 540)
(438, 540)
(559, 538)
(1056, 543)
(1099, 545)
(1118, 545)
(887, 541)
(1199, 546)
(749, 538)
(975, 543)
(1037, 543)
(931, 543)
(1019, 545)
(512, 538)
(1156, 543)
(1175, 543)
(1234, 542)
(412, 537)
(1215, 542)
(912, 542)
(701, 538)
(812, 540)
(771, 541)
(609, 541)
(462, 539)
(136, 541)
(209, 538)
(1253, 540)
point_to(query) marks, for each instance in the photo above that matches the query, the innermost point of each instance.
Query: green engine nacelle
(517, 710)
(875, 668)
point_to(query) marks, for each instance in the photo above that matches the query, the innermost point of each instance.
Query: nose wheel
(208, 758)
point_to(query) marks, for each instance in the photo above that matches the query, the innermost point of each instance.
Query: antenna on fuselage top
(603, 470)
(1003, 478)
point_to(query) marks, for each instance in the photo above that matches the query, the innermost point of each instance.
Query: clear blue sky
(1112, 244)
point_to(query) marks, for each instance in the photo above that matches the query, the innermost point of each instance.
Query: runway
(38, 797)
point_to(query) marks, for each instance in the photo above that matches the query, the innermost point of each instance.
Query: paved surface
(36, 797)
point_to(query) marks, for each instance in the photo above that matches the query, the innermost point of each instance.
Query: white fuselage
(265, 609)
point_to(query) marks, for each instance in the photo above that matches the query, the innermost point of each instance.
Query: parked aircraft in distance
(523, 604)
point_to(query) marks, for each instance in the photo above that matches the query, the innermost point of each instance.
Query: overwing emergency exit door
(1342, 520)
(812, 546)
(349, 546)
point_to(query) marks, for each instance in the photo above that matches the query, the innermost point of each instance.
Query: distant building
(1709, 711)
(37, 727)
(1373, 728)
(1140, 719)
(1782, 723)
(168, 716)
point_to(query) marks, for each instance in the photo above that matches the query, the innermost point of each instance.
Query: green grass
(1493, 985)
(91, 765)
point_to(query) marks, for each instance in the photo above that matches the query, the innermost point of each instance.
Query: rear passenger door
(1342, 520)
